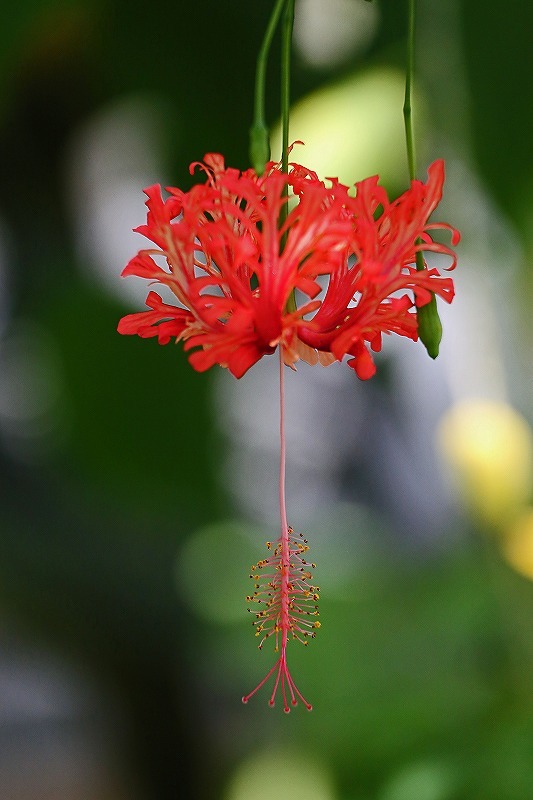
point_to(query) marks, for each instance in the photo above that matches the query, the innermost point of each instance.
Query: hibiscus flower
(235, 256)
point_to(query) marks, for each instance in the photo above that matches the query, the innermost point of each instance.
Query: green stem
(286, 51)
(429, 324)
(259, 138)
(407, 106)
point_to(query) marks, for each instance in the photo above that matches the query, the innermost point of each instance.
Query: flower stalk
(286, 52)
(259, 136)
(429, 324)
(286, 49)
(407, 106)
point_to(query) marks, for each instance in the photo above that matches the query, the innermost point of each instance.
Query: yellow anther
(316, 624)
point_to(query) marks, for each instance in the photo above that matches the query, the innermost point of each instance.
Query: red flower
(233, 266)
(362, 300)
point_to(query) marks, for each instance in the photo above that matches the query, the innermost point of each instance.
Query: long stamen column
(286, 601)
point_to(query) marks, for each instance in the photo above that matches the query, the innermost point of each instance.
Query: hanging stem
(259, 139)
(407, 106)
(429, 324)
(286, 48)
(286, 51)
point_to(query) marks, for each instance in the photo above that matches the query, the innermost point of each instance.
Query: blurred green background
(135, 493)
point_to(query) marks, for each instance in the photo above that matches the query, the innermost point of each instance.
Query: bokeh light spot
(517, 546)
(285, 775)
(423, 781)
(326, 34)
(489, 447)
(33, 420)
(353, 129)
(212, 571)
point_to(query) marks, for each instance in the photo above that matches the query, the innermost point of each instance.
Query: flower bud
(259, 147)
(430, 327)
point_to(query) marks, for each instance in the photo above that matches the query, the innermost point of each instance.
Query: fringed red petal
(234, 269)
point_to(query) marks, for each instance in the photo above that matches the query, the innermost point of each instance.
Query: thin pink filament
(285, 625)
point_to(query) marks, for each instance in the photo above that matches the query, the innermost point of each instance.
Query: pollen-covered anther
(287, 595)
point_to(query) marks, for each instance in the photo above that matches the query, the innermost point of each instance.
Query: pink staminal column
(282, 590)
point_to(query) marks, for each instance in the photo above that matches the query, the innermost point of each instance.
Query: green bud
(430, 327)
(259, 147)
